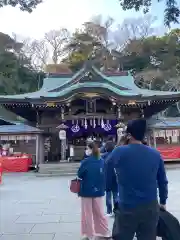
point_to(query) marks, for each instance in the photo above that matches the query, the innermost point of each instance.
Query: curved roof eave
(66, 81)
(80, 87)
(97, 88)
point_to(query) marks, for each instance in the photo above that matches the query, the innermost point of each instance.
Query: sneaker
(99, 237)
(109, 214)
(107, 236)
(86, 238)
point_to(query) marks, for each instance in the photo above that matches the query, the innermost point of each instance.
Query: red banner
(12, 164)
(170, 153)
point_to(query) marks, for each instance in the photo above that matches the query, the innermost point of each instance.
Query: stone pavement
(43, 208)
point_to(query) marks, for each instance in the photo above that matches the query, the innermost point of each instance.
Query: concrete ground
(43, 208)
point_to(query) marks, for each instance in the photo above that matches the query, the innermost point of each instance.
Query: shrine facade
(88, 104)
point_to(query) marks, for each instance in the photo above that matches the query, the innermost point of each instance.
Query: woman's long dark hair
(95, 149)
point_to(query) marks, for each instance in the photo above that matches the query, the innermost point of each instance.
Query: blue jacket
(103, 148)
(140, 171)
(91, 172)
(110, 175)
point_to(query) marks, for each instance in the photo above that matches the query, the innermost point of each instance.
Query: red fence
(170, 152)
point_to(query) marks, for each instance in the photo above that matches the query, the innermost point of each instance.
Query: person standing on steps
(110, 180)
(92, 190)
(102, 148)
(140, 170)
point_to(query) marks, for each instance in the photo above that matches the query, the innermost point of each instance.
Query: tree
(37, 51)
(162, 70)
(135, 29)
(16, 72)
(171, 13)
(78, 49)
(100, 31)
(57, 40)
(24, 5)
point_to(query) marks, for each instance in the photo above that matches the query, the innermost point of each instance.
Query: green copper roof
(65, 86)
(90, 86)
(51, 83)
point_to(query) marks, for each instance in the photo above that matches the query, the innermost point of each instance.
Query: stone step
(59, 165)
(54, 174)
(57, 169)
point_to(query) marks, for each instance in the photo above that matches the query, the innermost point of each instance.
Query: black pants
(141, 221)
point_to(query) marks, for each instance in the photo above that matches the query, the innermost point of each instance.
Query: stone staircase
(70, 169)
(57, 169)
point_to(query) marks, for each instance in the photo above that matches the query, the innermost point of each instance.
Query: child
(110, 181)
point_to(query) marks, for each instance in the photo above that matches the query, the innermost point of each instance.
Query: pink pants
(93, 221)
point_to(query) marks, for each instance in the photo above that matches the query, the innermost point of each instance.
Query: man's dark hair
(109, 146)
(137, 129)
(144, 142)
(110, 138)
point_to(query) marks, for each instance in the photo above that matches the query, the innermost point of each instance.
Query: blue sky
(53, 14)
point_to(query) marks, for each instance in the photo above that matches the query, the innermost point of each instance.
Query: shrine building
(87, 104)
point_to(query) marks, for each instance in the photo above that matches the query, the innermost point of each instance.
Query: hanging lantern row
(167, 133)
(104, 124)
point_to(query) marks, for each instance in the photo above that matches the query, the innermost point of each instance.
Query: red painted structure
(170, 153)
(16, 164)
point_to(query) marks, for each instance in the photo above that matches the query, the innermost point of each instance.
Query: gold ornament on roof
(132, 103)
(91, 95)
(50, 104)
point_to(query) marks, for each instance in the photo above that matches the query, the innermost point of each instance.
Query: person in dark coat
(110, 180)
(140, 171)
(103, 148)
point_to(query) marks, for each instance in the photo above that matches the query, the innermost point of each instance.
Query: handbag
(75, 185)
(168, 226)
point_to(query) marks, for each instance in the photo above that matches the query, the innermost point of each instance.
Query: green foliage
(155, 52)
(171, 13)
(24, 5)
(79, 49)
(16, 72)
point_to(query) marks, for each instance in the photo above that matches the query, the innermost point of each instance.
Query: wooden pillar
(149, 139)
(39, 149)
(62, 137)
(154, 138)
(63, 150)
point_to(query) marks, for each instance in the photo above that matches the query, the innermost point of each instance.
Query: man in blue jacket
(140, 171)
(110, 180)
